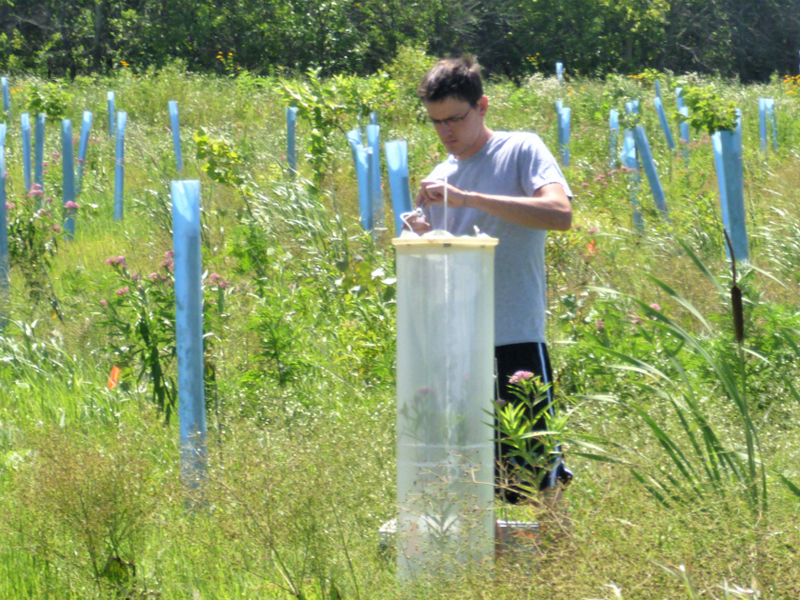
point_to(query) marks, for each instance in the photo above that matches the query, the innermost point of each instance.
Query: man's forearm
(549, 208)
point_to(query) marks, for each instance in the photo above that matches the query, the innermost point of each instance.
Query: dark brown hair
(453, 78)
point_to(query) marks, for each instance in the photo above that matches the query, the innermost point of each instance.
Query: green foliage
(707, 110)
(141, 320)
(48, 98)
(33, 242)
(223, 162)
(319, 103)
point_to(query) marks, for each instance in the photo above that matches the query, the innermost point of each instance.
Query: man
(509, 186)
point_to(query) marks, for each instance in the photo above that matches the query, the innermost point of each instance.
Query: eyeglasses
(449, 120)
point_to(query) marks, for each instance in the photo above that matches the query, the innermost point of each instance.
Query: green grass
(301, 424)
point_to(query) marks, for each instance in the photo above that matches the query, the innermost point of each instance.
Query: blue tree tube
(355, 141)
(679, 98)
(119, 170)
(719, 164)
(291, 147)
(772, 115)
(364, 199)
(38, 158)
(3, 232)
(658, 89)
(630, 162)
(68, 172)
(559, 71)
(684, 111)
(738, 131)
(762, 124)
(662, 117)
(176, 133)
(397, 165)
(374, 143)
(86, 128)
(649, 165)
(189, 330)
(632, 107)
(733, 212)
(613, 134)
(563, 134)
(559, 106)
(6, 97)
(111, 117)
(373, 117)
(25, 120)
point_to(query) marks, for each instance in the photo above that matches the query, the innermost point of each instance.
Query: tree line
(750, 39)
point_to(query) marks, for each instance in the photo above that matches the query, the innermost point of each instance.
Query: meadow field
(686, 444)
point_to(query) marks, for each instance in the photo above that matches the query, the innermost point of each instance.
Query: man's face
(458, 124)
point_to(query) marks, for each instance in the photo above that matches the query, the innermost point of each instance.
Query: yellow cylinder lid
(443, 239)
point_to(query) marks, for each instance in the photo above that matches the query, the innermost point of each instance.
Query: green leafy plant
(33, 231)
(141, 318)
(707, 110)
(319, 103)
(223, 162)
(48, 98)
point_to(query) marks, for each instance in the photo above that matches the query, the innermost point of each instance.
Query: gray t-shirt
(510, 164)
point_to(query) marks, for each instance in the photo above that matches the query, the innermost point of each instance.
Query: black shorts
(533, 357)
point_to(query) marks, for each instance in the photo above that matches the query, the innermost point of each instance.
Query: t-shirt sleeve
(539, 167)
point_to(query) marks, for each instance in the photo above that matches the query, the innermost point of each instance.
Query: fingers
(431, 191)
(417, 224)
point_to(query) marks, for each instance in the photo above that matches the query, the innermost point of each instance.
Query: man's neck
(480, 142)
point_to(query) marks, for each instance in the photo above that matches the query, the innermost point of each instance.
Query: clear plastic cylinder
(445, 387)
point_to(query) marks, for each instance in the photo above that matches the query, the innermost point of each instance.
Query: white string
(414, 213)
(445, 202)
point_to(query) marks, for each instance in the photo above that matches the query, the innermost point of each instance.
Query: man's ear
(483, 105)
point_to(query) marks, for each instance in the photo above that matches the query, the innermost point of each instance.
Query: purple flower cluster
(216, 279)
(116, 261)
(71, 205)
(520, 376)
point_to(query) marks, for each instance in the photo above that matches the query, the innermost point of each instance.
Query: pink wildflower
(48, 200)
(655, 306)
(600, 324)
(80, 161)
(71, 205)
(216, 279)
(592, 230)
(169, 254)
(104, 303)
(135, 277)
(56, 228)
(154, 277)
(123, 291)
(10, 206)
(520, 376)
(168, 264)
(115, 260)
(55, 155)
